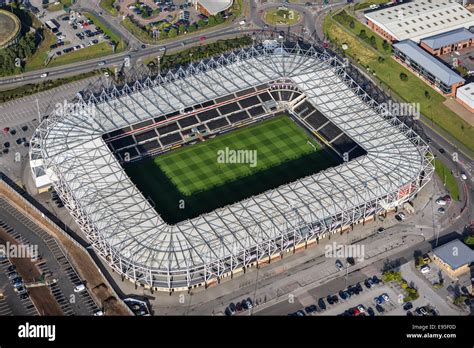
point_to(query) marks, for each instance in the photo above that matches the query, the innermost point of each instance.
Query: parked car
(440, 201)
(370, 311)
(375, 280)
(342, 295)
(361, 308)
(339, 265)
(24, 295)
(379, 308)
(79, 288)
(407, 306)
(12, 275)
(368, 283)
(310, 309)
(385, 297)
(441, 210)
(322, 304)
(232, 308)
(300, 313)
(351, 261)
(330, 299)
(425, 269)
(238, 307)
(11, 268)
(463, 176)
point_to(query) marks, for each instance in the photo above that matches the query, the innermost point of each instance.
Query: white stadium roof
(418, 19)
(128, 232)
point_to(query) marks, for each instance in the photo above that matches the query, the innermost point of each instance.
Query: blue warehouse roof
(448, 38)
(428, 62)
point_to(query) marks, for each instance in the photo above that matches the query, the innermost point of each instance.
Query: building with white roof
(212, 7)
(465, 96)
(418, 19)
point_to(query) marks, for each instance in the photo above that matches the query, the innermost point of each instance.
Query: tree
(211, 21)
(201, 23)
(403, 77)
(220, 18)
(163, 35)
(373, 41)
(363, 34)
(192, 27)
(182, 29)
(427, 95)
(172, 33)
(352, 24)
(385, 45)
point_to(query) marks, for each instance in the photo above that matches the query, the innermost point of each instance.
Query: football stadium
(306, 152)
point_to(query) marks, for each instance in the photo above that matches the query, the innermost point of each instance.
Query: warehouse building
(444, 43)
(419, 19)
(427, 67)
(212, 7)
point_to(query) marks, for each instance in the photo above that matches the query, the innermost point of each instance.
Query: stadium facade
(73, 151)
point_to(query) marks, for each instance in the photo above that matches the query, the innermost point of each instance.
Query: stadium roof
(448, 38)
(421, 18)
(428, 62)
(215, 6)
(466, 94)
(455, 253)
(122, 223)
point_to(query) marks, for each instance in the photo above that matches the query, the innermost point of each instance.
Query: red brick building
(454, 40)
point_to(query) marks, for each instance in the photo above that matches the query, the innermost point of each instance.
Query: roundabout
(282, 16)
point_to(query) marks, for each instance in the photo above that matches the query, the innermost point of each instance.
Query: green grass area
(95, 51)
(108, 6)
(99, 23)
(29, 89)
(194, 177)
(55, 7)
(137, 31)
(366, 4)
(371, 55)
(38, 59)
(281, 17)
(447, 178)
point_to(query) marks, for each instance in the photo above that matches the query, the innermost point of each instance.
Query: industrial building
(416, 20)
(465, 96)
(444, 43)
(427, 67)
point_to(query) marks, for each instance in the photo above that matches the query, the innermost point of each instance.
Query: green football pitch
(199, 178)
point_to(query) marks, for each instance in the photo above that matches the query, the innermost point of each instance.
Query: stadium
(10, 28)
(110, 166)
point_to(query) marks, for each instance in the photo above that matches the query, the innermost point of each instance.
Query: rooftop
(466, 94)
(428, 62)
(455, 253)
(418, 19)
(448, 38)
(215, 6)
